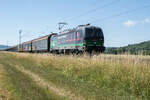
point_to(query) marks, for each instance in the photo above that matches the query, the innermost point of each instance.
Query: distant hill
(140, 48)
(3, 47)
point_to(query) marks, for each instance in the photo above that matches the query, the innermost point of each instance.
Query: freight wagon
(42, 44)
(26, 46)
(13, 48)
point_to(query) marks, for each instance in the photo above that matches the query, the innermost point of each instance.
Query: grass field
(26, 76)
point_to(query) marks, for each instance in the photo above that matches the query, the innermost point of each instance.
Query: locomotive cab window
(93, 33)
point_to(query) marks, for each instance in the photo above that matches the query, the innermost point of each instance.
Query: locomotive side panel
(67, 41)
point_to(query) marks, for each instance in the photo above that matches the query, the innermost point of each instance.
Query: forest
(142, 48)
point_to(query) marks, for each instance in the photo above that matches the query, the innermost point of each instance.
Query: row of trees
(136, 49)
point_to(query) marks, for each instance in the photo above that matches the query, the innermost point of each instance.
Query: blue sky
(40, 17)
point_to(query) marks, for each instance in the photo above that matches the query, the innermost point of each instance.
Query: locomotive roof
(91, 27)
(79, 27)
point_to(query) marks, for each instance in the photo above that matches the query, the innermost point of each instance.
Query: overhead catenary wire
(93, 10)
(122, 13)
(108, 17)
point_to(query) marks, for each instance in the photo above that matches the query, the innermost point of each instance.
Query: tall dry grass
(20, 85)
(4, 93)
(100, 76)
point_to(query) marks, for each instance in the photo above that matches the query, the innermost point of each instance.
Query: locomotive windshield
(93, 33)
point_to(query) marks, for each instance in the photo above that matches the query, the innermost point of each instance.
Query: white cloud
(130, 23)
(147, 20)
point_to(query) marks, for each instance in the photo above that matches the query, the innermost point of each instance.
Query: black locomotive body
(81, 39)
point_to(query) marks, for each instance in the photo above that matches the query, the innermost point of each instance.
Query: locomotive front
(93, 39)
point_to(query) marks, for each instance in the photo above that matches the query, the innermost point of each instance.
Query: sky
(121, 23)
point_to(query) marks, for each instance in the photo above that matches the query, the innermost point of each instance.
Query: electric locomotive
(84, 38)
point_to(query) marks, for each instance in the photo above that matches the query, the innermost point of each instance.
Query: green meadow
(25, 76)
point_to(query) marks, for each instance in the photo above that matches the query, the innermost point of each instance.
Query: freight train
(84, 38)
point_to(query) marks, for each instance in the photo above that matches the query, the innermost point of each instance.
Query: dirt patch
(50, 86)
